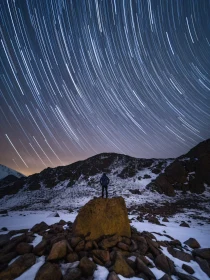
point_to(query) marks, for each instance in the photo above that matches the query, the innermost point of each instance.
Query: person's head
(104, 174)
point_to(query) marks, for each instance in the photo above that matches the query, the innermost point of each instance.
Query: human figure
(104, 181)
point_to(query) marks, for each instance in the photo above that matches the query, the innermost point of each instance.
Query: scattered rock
(40, 248)
(101, 255)
(184, 224)
(73, 274)
(110, 242)
(141, 267)
(192, 243)
(165, 220)
(183, 276)
(39, 227)
(165, 264)
(24, 248)
(166, 277)
(179, 254)
(7, 257)
(49, 271)
(202, 253)
(87, 267)
(72, 257)
(188, 268)
(203, 265)
(113, 276)
(121, 267)
(18, 267)
(58, 251)
(102, 217)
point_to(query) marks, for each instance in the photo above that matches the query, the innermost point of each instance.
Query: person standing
(104, 181)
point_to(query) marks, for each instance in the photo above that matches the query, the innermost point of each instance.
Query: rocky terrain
(66, 251)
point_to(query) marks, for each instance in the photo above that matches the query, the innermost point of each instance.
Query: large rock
(18, 267)
(203, 265)
(87, 267)
(141, 267)
(192, 243)
(164, 186)
(165, 264)
(179, 254)
(202, 253)
(49, 271)
(58, 251)
(176, 173)
(102, 217)
(121, 267)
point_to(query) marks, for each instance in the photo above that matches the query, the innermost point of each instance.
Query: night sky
(83, 77)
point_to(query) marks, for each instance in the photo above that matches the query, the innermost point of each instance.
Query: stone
(188, 268)
(179, 254)
(202, 253)
(164, 186)
(40, 248)
(113, 276)
(183, 276)
(165, 277)
(165, 220)
(203, 265)
(165, 264)
(121, 267)
(39, 227)
(110, 242)
(102, 255)
(153, 220)
(49, 271)
(24, 248)
(184, 224)
(123, 246)
(72, 257)
(7, 257)
(142, 244)
(88, 245)
(87, 267)
(80, 246)
(176, 173)
(141, 267)
(142, 276)
(102, 217)
(18, 267)
(58, 251)
(73, 274)
(192, 243)
(74, 241)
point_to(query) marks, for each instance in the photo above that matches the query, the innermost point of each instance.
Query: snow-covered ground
(27, 219)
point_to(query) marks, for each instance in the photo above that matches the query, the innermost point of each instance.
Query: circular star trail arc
(83, 77)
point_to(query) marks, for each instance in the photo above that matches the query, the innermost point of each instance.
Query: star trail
(81, 77)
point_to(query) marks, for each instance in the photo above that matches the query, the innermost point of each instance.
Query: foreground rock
(102, 217)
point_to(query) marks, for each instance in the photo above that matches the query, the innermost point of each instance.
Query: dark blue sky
(84, 77)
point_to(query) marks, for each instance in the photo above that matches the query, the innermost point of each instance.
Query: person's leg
(106, 192)
(102, 191)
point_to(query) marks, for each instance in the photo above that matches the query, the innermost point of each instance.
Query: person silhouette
(104, 181)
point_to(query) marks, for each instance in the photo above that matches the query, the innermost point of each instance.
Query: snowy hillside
(5, 171)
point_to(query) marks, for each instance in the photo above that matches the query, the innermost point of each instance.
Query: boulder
(141, 243)
(18, 267)
(184, 224)
(141, 267)
(40, 248)
(165, 264)
(110, 242)
(73, 274)
(176, 173)
(24, 248)
(102, 217)
(39, 227)
(102, 255)
(183, 276)
(113, 276)
(165, 277)
(49, 271)
(202, 253)
(192, 243)
(7, 257)
(121, 267)
(72, 257)
(203, 265)
(58, 251)
(188, 268)
(87, 267)
(179, 254)
(163, 185)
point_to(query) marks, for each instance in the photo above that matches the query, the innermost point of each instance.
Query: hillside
(168, 184)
